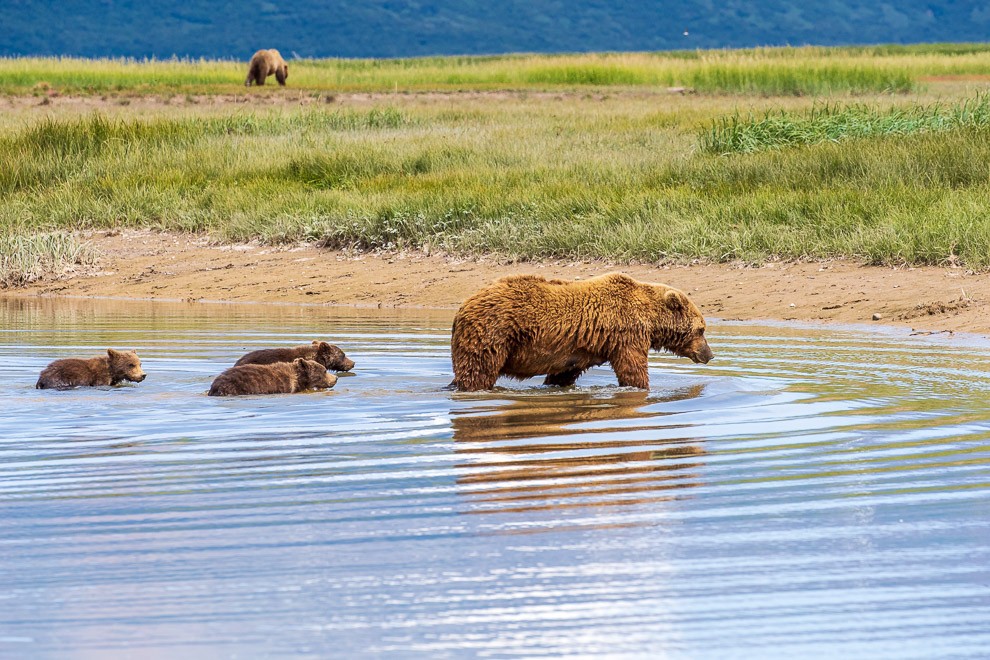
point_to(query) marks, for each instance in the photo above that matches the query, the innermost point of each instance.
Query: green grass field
(768, 71)
(552, 160)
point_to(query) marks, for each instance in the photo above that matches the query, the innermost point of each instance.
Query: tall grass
(833, 123)
(769, 72)
(578, 178)
(26, 258)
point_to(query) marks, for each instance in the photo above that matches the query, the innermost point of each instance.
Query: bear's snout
(141, 377)
(703, 354)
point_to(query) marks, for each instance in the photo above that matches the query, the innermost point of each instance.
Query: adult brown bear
(265, 63)
(525, 325)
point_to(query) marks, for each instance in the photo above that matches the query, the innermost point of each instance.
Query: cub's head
(124, 365)
(332, 357)
(679, 326)
(313, 375)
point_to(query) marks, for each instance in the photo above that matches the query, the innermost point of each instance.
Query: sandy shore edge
(164, 266)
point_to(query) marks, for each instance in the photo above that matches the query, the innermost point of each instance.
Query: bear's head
(313, 375)
(124, 365)
(680, 327)
(332, 357)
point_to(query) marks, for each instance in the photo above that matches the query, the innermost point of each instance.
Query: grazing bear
(525, 325)
(263, 64)
(326, 354)
(276, 378)
(111, 369)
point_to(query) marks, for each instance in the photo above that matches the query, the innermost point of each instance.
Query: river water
(810, 493)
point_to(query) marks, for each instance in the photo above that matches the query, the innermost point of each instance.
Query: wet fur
(276, 378)
(111, 369)
(328, 355)
(523, 326)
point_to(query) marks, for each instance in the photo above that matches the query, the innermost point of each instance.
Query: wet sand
(162, 266)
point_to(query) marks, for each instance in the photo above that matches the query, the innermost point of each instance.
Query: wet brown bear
(277, 378)
(326, 354)
(263, 64)
(524, 325)
(111, 369)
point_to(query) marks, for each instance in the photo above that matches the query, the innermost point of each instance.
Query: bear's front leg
(632, 369)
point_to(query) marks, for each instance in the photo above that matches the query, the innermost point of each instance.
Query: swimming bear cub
(326, 354)
(277, 378)
(111, 369)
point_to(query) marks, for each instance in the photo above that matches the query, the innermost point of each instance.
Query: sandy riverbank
(150, 265)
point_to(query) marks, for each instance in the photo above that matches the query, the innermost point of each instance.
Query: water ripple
(811, 492)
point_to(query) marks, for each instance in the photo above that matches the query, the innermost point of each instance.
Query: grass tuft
(27, 258)
(834, 123)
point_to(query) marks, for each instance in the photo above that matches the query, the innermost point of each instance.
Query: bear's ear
(299, 362)
(675, 301)
(316, 342)
(112, 352)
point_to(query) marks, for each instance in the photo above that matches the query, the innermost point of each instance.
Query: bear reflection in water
(609, 467)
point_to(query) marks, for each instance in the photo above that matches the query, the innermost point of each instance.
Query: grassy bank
(770, 72)
(621, 178)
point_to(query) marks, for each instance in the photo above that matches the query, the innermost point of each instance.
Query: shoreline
(153, 266)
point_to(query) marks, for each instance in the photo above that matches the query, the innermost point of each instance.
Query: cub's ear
(316, 342)
(675, 301)
(112, 352)
(299, 362)
(323, 346)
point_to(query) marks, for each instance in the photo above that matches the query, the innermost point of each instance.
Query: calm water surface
(810, 493)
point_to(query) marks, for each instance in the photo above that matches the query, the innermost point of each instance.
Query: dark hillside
(397, 28)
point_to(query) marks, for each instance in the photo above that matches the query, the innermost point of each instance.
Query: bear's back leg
(478, 369)
(255, 75)
(563, 378)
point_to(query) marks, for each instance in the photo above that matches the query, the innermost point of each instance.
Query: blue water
(810, 493)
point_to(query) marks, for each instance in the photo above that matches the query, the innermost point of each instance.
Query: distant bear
(277, 378)
(525, 325)
(326, 354)
(263, 64)
(111, 369)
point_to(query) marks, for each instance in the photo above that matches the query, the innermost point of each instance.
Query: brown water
(810, 493)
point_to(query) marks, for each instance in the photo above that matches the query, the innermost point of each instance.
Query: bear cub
(265, 63)
(111, 369)
(276, 378)
(326, 354)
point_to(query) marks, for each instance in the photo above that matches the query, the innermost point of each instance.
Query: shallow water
(810, 493)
